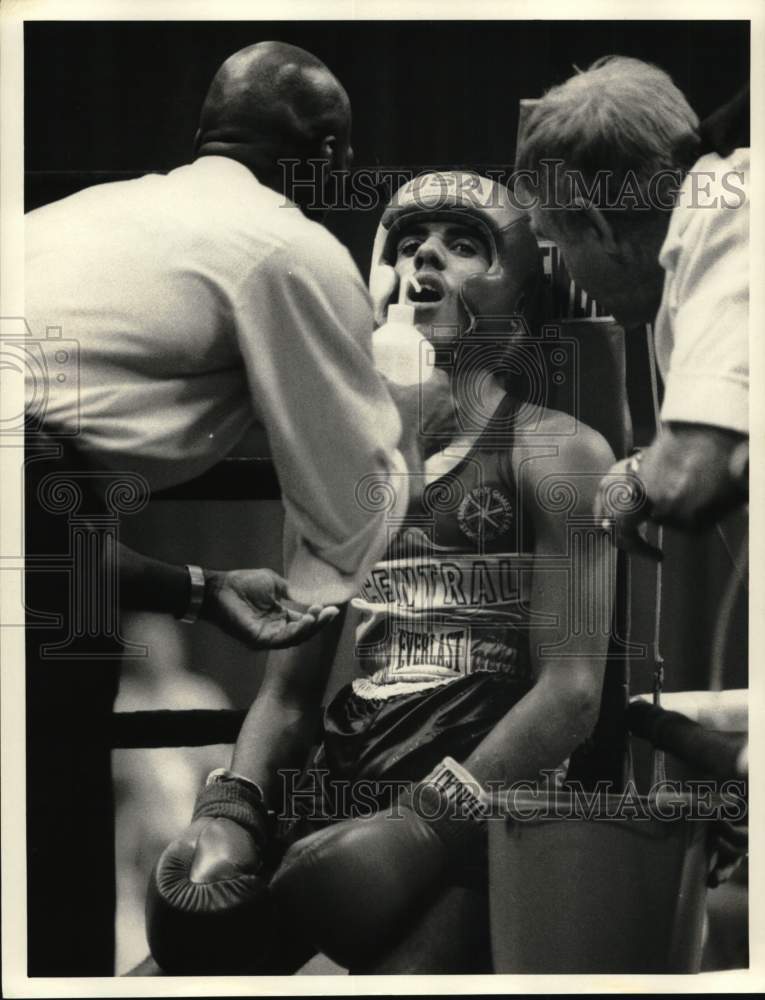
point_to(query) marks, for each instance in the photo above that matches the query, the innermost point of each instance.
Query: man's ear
(328, 150)
(337, 152)
(599, 226)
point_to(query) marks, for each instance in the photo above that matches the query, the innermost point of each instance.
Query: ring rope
(658, 760)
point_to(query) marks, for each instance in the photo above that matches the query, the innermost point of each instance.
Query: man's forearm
(687, 474)
(151, 585)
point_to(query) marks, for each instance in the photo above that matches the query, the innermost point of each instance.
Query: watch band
(197, 580)
(635, 459)
(641, 501)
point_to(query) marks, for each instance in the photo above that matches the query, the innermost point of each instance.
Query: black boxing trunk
(373, 749)
(401, 739)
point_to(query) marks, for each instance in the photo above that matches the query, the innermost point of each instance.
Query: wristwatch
(197, 595)
(635, 459)
(639, 493)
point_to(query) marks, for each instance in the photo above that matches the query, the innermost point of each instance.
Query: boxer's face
(440, 255)
(623, 277)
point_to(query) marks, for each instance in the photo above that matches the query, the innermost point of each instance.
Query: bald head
(274, 101)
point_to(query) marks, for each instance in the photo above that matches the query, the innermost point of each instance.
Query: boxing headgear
(510, 286)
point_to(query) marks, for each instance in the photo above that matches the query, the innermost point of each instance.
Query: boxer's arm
(282, 724)
(561, 709)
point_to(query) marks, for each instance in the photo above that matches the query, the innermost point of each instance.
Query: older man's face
(626, 280)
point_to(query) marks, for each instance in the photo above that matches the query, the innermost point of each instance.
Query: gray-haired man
(657, 236)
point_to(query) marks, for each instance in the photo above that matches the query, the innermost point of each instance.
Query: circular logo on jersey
(485, 513)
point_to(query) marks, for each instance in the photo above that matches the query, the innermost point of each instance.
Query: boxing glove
(352, 889)
(208, 893)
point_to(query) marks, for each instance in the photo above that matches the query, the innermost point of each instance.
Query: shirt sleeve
(706, 306)
(304, 327)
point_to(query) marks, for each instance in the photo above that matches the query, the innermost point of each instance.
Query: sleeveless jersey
(450, 598)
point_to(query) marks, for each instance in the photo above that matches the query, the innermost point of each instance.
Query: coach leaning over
(664, 241)
(203, 301)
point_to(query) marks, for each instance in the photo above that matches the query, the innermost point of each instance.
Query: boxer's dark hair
(271, 102)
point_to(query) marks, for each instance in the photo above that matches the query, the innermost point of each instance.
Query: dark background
(122, 96)
(107, 99)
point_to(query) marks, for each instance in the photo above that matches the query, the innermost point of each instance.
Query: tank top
(450, 598)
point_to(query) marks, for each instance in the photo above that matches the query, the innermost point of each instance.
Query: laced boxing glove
(208, 893)
(353, 888)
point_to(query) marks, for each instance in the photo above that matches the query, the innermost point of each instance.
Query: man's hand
(730, 845)
(622, 503)
(685, 479)
(247, 604)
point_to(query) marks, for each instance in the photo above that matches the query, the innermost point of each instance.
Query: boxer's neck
(477, 398)
(479, 409)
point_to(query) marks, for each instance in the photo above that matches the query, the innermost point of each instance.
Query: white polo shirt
(202, 301)
(702, 327)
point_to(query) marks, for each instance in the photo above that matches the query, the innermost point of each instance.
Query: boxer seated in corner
(471, 673)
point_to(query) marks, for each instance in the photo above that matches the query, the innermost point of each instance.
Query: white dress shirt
(702, 327)
(201, 302)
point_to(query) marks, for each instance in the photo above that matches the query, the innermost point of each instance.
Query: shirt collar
(230, 166)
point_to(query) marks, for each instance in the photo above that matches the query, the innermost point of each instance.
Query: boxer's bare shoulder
(554, 450)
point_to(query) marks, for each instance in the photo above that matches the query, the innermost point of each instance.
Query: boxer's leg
(148, 967)
(452, 936)
(403, 738)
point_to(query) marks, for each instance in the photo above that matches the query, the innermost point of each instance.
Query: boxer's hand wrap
(234, 798)
(352, 888)
(452, 801)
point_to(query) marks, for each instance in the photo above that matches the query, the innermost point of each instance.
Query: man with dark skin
(271, 103)
(271, 107)
(202, 302)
